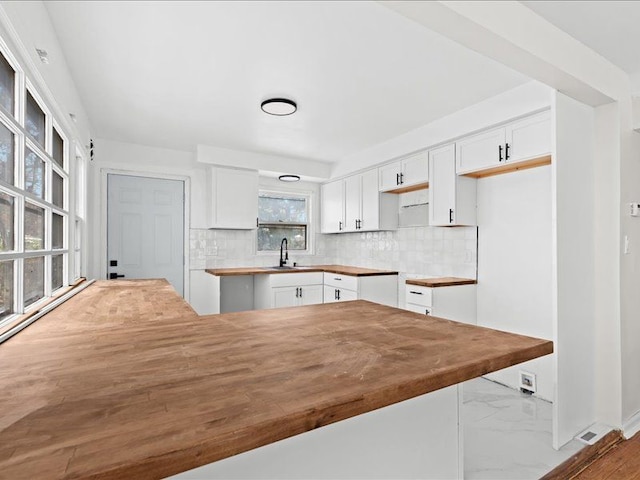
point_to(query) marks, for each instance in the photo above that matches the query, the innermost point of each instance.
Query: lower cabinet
(287, 290)
(456, 302)
(296, 296)
(375, 288)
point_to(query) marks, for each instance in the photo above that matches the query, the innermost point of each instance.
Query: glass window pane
(270, 237)
(7, 157)
(7, 84)
(33, 227)
(35, 120)
(6, 288)
(7, 215)
(273, 209)
(33, 280)
(57, 231)
(56, 271)
(58, 149)
(34, 174)
(57, 190)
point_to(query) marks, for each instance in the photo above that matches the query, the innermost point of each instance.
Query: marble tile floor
(507, 434)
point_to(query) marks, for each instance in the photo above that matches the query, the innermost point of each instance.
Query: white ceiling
(178, 74)
(611, 28)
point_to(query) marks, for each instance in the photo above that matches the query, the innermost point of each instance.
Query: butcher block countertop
(440, 281)
(339, 269)
(124, 380)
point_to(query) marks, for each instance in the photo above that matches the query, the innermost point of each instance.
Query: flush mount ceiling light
(288, 178)
(279, 106)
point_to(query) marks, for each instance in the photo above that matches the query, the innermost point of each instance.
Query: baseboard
(631, 426)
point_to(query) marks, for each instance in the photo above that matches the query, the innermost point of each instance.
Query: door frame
(104, 174)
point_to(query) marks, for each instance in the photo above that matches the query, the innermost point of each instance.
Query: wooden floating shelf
(412, 188)
(511, 167)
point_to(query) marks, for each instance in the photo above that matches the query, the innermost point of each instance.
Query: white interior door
(145, 228)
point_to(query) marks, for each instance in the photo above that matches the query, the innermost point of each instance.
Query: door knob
(114, 275)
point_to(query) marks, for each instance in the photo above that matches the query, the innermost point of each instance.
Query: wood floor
(621, 462)
(611, 458)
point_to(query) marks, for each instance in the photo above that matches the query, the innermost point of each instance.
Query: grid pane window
(281, 216)
(57, 190)
(7, 154)
(35, 121)
(6, 288)
(7, 222)
(57, 271)
(7, 85)
(34, 172)
(57, 231)
(58, 149)
(33, 280)
(33, 227)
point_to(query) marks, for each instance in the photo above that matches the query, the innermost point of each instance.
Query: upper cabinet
(524, 140)
(405, 174)
(354, 204)
(234, 198)
(452, 198)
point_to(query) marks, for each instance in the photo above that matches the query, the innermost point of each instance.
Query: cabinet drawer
(418, 295)
(341, 281)
(295, 279)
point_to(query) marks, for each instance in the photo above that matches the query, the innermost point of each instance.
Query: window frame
(307, 196)
(16, 122)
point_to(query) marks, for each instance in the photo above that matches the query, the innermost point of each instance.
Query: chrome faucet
(283, 261)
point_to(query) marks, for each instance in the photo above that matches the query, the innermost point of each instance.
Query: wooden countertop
(440, 281)
(125, 381)
(339, 269)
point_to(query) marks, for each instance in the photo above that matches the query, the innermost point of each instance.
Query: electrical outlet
(634, 209)
(527, 382)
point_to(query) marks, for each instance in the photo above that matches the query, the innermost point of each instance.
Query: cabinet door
(330, 294)
(345, 295)
(389, 176)
(234, 198)
(480, 151)
(332, 207)
(311, 294)
(370, 216)
(529, 138)
(352, 202)
(285, 297)
(415, 169)
(442, 187)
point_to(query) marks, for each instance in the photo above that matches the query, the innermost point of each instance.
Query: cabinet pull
(499, 153)
(337, 278)
(416, 293)
(338, 294)
(257, 224)
(335, 293)
(296, 292)
(451, 215)
(427, 311)
(397, 179)
(401, 178)
(506, 151)
(339, 225)
(300, 292)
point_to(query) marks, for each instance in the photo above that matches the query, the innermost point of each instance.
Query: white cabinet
(332, 206)
(234, 198)
(408, 172)
(452, 198)
(355, 204)
(287, 289)
(375, 288)
(456, 302)
(296, 296)
(520, 141)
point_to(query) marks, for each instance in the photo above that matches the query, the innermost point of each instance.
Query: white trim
(631, 426)
(104, 173)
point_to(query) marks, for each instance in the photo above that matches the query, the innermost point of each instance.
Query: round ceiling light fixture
(279, 106)
(289, 178)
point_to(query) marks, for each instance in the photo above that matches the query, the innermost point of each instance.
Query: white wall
(514, 265)
(574, 268)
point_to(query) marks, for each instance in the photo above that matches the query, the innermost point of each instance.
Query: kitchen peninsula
(124, 380)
